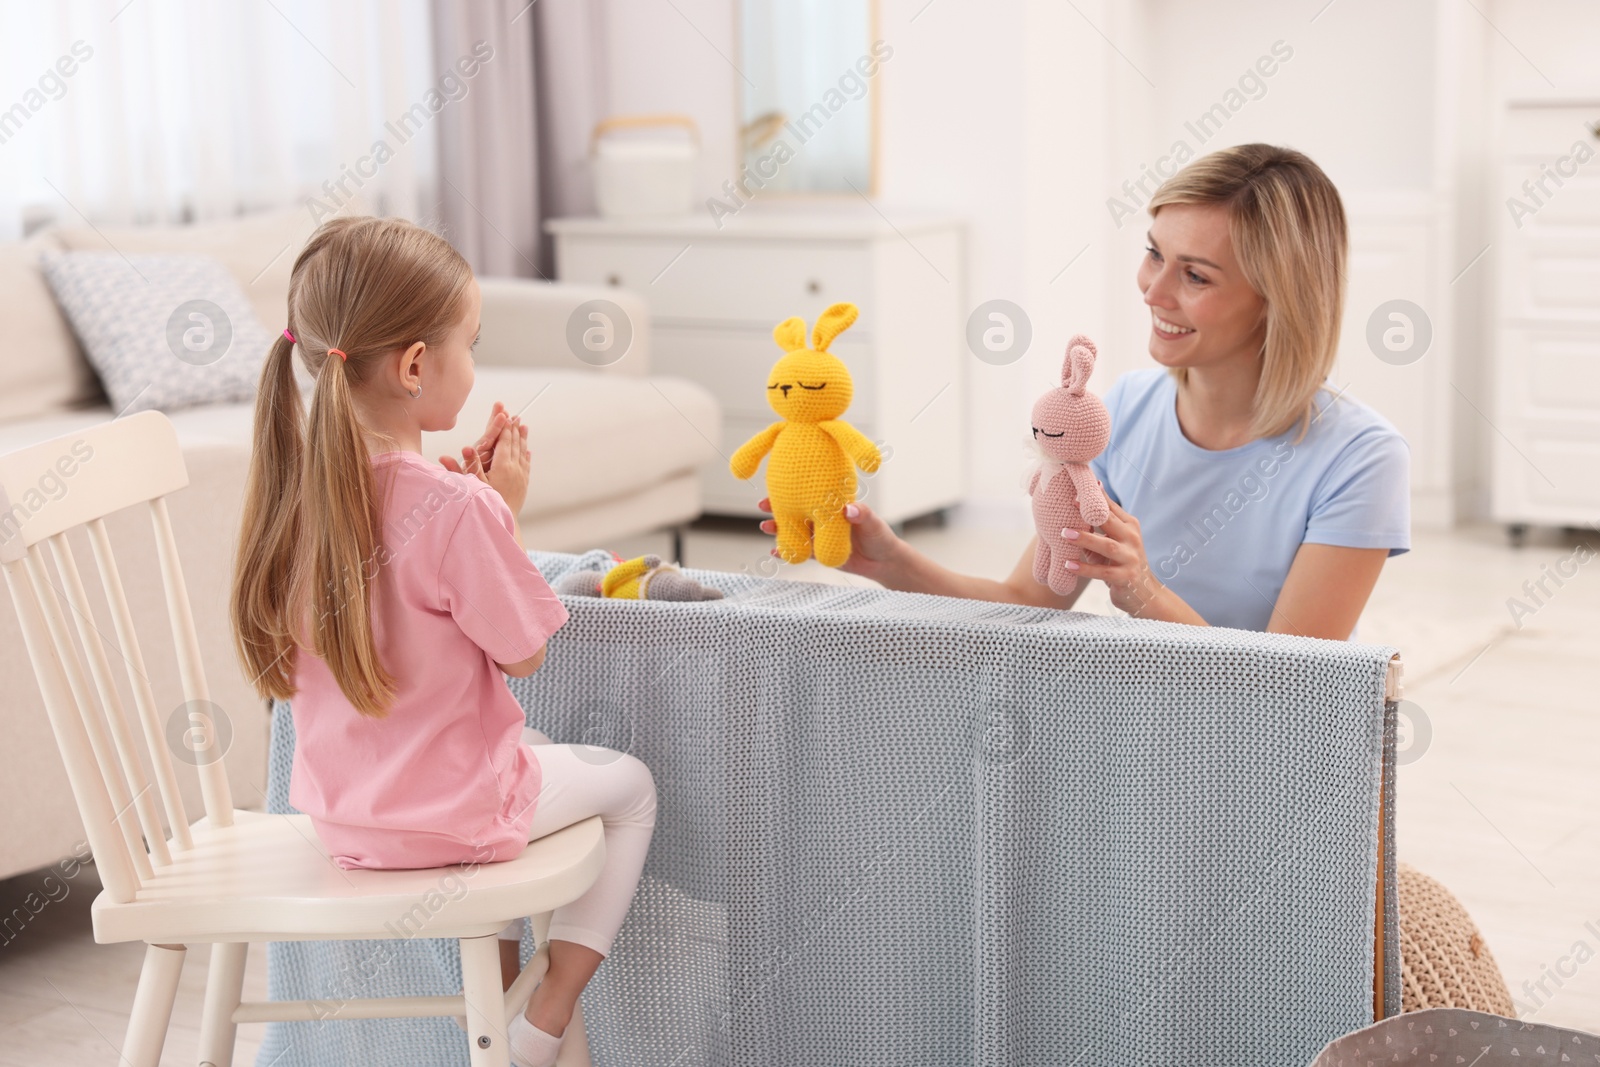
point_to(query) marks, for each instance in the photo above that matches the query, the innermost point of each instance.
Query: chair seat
(268, 878)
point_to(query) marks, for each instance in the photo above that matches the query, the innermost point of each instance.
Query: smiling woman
(1244, 279)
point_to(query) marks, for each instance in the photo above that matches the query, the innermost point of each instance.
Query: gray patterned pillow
(162, 331)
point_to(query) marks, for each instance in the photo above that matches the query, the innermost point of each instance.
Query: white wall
(1024, 116)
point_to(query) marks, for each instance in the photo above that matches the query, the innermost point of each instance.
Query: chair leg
(224, 984)
(152, 1005)
(486, 1017)
(575, 1043)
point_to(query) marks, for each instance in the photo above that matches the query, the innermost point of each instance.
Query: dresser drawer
(1543, 133)
(1550, 373)
(1564, 480)
(734, 365)
(750, 283)
(1553, 275)
(1575, 200)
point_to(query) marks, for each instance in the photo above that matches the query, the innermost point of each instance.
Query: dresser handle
(813, 287)
(613, 280)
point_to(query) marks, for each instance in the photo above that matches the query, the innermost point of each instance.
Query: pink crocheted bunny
(1070, 427)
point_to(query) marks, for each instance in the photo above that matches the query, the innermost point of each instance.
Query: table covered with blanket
(917, 830)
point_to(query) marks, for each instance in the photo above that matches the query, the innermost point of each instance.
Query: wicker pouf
(1444, 960)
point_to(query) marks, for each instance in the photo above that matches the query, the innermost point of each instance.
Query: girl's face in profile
(447, 374)
(1203, 312)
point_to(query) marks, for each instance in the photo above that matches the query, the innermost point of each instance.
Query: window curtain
(516, 152)
(169, 111)
(570, 44)
(488, 202)
(471, 118)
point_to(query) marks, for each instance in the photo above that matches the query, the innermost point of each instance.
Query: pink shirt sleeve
(490, 586)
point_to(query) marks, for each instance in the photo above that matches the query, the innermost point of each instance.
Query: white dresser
(716, 294)
(1547, 344)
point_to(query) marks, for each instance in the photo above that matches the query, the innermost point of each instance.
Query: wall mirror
(808, 90)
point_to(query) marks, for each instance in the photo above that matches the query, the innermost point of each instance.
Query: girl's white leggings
(579, 782)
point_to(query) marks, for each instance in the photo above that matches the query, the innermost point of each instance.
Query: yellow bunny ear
(832, 323)
(790, 334)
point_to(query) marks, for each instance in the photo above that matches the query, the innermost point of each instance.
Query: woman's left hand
(1116, 557)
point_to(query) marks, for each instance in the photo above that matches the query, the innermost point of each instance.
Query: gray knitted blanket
(910, 829)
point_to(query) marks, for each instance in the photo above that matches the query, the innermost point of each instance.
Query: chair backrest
(115, 761)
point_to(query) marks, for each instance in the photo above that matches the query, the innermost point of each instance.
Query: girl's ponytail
(343, 516)
(269, 535)
(311, 541)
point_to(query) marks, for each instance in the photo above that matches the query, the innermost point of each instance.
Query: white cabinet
(1547, 344)
(716, 294)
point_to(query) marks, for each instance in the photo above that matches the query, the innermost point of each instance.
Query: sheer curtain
(123, 111)
(488, 203)
(572, 39)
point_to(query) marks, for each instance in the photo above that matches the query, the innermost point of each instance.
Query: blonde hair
(1288, 229)
(312, 512)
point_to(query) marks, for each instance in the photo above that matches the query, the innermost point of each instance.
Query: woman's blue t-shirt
(1221, 528)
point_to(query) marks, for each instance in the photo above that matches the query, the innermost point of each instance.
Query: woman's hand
(874, 548)
(1116, 556)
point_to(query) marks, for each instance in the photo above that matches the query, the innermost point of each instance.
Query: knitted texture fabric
(912, 829)
(1070, 427)
(814, 453)
(1454, 1037)
(1444, 960)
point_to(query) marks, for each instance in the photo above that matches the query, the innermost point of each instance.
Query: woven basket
(1444, 962)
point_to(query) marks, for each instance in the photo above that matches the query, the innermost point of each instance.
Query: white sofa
(615, 453)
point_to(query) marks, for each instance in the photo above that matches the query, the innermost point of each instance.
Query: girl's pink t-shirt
(444, 778)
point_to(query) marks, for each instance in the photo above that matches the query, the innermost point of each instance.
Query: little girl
(387, 594)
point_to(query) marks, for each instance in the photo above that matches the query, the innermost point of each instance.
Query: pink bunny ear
(1079, 364)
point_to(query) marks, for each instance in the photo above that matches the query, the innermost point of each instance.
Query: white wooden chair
(233, 877)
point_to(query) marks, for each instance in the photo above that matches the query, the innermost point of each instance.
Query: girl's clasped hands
(501, 457)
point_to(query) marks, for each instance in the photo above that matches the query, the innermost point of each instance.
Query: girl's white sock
(531, 1046)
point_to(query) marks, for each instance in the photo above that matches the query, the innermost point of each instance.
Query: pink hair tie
(339, 353)
(290, 336)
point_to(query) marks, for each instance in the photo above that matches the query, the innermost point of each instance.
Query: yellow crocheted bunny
(811, 475)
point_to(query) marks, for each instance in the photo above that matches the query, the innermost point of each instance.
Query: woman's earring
(418, 393)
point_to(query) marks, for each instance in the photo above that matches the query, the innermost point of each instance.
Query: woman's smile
(1169, 329)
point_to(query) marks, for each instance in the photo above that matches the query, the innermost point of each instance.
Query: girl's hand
(874, 548)
(482, 453)
(509, 475)
(1116, 556)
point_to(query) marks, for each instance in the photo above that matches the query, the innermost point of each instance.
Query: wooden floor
(1500, 800)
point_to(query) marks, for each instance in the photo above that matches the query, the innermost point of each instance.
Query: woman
(1244, 491)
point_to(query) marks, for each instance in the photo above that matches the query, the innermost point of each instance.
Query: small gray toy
(642, 578)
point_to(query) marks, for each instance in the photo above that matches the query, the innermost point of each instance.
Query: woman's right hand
(874, 547)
